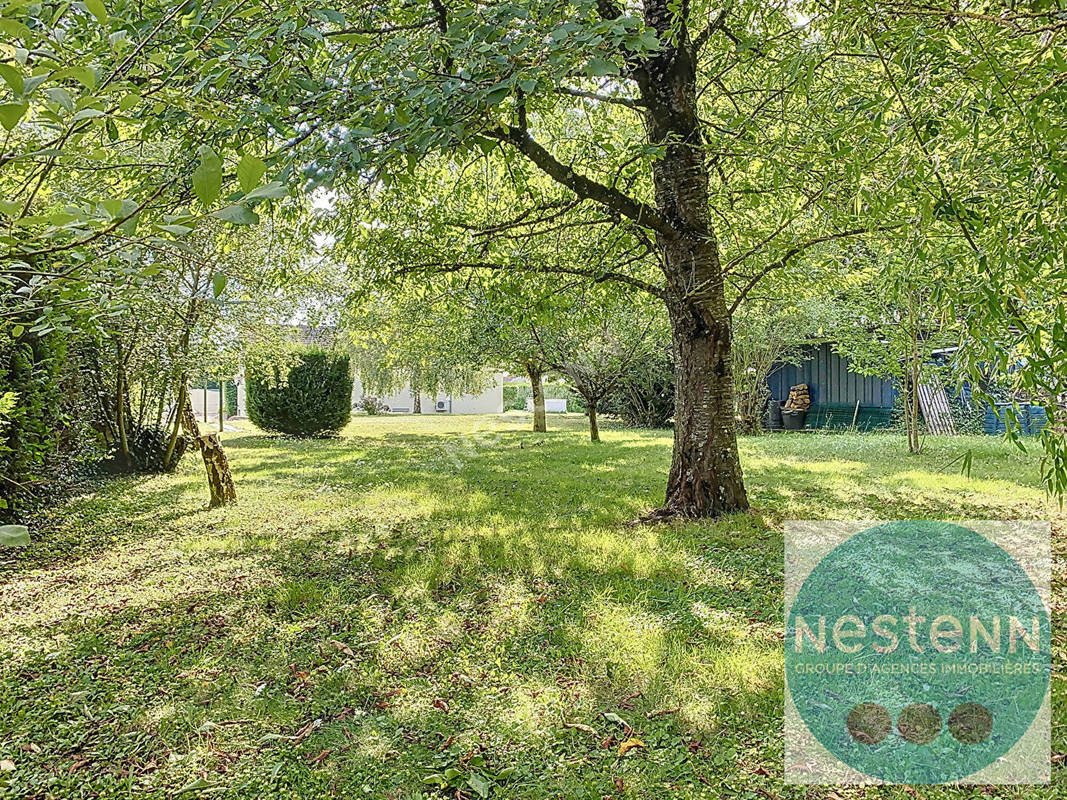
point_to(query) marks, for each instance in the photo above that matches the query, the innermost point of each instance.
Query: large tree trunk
(536, 375)
(219, 479)
(705, 478)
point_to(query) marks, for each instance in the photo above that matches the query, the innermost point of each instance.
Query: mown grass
(450, 596)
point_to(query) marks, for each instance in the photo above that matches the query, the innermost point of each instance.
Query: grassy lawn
(450, 596)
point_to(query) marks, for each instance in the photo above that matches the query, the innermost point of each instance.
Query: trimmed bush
(312, 399)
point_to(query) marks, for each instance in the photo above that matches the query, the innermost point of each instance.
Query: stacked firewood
(799, 398)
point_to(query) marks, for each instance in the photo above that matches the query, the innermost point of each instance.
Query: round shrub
(312, 398)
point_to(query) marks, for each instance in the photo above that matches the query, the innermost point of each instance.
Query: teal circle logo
(918, 652)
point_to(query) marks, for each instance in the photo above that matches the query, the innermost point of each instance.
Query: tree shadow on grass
(420, 610)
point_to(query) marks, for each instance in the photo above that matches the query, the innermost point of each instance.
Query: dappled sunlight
(374, 599)
(722, 686)
(623, 648)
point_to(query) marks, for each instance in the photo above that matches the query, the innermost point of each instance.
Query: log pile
(799, 398)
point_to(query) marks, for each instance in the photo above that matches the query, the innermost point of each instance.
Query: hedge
(312, 399)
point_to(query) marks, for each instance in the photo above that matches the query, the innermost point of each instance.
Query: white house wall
(196, 397)
(490, 401)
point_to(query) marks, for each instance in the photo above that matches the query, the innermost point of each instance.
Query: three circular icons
(917, 652)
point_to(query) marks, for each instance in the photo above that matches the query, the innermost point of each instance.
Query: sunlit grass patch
(384, 606)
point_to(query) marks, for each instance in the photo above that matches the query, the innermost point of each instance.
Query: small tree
(896, 320)
(595, 341)
(644, 396)
(311, 398)
(767, 333)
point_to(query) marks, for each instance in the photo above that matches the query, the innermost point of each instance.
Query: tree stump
(219, 479)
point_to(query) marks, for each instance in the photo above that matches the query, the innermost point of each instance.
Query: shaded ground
(442, 596)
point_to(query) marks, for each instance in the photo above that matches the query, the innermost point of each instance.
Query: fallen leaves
(7, 765)
(629, 745)
(580, 727)
(343, 648)
(302, 733)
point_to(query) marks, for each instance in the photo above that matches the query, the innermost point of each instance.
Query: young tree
(892, 317)
(769, 332)
(594, 338)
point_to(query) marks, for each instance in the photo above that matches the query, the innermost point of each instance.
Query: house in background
(835, 390)
(488, 401)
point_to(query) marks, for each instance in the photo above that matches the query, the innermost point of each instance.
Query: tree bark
(594, 430)
(120, 407)
(705, 478)
(219, 479)
(536, 374)
(911, 419)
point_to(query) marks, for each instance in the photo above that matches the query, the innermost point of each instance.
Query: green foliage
(644, 394)
(369, 404)
(312, 397)
(417, 336)
(230, 390)
(31, 415)
(148, 448)
(768, 333)
(516, 395)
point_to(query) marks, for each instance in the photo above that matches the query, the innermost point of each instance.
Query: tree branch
(797, 250)
(414, 26)
(583, 186)
(597, 276)
(30, 254)
(636, 105)
(714, 25)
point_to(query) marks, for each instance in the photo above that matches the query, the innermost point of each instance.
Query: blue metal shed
(835, 390)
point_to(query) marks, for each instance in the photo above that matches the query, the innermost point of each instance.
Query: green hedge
(31, 415)
(312, 399)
